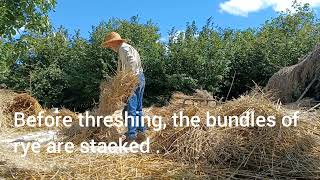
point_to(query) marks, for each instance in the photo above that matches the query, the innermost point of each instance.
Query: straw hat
(112, 37)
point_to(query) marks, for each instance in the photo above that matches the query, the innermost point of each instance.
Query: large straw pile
(113, 96)
(267, 152)
(187, 152)
(26, 104)
(6, 97)
(23, 103)
(290, 82)
(230, 152)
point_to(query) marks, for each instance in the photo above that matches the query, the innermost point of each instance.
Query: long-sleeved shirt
(129, 59)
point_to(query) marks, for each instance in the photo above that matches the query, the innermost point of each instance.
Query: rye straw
(268, 152)
(113, 96)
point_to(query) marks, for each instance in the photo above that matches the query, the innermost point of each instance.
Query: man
(129, 60)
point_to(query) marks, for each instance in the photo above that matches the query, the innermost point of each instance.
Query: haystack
(26, 104)
(23, 103)
(6, 97)
(29, 106)
(113, 96)
(267, 152)
(289, 83)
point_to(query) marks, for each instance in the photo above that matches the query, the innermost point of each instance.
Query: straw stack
(247, 152)
(23, 103)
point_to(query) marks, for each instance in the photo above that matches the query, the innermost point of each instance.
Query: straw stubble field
(184, 152)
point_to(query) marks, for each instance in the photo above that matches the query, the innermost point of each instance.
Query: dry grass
(12, 102)
(91, 166)
(63, 112)
(269, 152)
(23, 103)
(6, 97)
(26, 104)
(188, 152)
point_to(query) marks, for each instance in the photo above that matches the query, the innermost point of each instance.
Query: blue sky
(81, 14)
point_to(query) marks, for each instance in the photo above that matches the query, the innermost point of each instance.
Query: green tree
(30, 14)
(289, 36)
(64, 70)
(196, 59)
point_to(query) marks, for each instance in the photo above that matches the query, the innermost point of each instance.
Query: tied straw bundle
(113, 96)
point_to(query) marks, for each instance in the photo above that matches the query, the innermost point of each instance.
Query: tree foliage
(64, 70)
(28, 14)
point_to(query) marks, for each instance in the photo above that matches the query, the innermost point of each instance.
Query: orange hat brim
(106, 43)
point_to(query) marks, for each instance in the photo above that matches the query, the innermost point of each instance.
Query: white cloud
(244, 7)
(241, 7)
